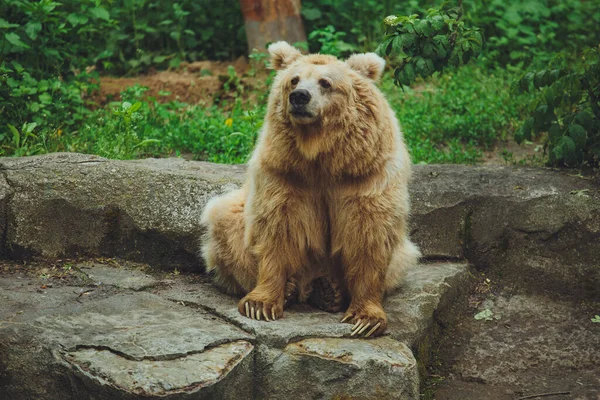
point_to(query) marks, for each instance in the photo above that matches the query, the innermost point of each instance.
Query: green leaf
(410, 72)
(77, 19)
(385, 47)
(424, 28)
(135, 107)
(543, 118)
(585, 119)
(397, 48)
(100, 13)
(29, 127)
(4, 24)
(565, 149)
(578, 134)
(45, 98)
(32, 29)
(554, 133)
(437, 22)
(16, 135)
(311, 14)
(524, 132)
(18, 67)
(539, 79)
(15, 40)
(442, 45)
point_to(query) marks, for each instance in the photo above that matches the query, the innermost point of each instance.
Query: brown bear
(326, 194)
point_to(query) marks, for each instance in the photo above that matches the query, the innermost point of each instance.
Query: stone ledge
(539, 227)
(177, 337)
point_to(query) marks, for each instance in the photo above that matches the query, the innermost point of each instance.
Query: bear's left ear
(282, 55)
(369, 65)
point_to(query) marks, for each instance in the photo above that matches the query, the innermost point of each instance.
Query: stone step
(110, 331)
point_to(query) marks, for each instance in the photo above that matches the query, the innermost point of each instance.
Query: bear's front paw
(367, 319)
(260, 307)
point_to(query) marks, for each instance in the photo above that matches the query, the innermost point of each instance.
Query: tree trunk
(269, 21)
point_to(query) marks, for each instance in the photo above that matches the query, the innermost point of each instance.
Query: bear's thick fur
(326, 194)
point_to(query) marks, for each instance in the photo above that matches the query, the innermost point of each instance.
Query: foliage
(331, 42)
(450, 118)
(520, 32)
(567, 107)
(49, 38)
(446, 120)
(143, 126)
(51, 103)
(359, 20)
(161, 32)
(424, 45)
(120, 35)
(41, 89)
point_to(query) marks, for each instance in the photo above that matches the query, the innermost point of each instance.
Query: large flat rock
(537, 227)
(108, 330)
(114, 342)
(427, 287)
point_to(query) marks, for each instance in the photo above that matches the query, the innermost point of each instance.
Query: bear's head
(316, 88)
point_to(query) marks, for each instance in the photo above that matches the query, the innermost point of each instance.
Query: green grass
(447, 119)
(454, 117)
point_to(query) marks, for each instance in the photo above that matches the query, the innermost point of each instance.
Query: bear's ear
(282, 55)
(369, 65)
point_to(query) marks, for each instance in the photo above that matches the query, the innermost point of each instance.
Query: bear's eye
(324, 83)
(295, 81)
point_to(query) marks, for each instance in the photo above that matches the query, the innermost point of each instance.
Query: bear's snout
(299, 97)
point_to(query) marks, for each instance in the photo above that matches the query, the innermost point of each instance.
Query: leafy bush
(567, 107)
(521, 32)
(331, 42)
(423, 46)
(41, 89)
(160, 32)
(49, 38)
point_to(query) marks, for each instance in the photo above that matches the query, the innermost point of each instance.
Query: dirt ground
(192, 83)
(202, 82)
(528, 345)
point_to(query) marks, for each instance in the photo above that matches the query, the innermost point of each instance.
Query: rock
(426, 288)
(143, 339)
(5, 193)
(119, 344)
(540, 227)
(331, 368)
(221, 372)
(73, 204)
(128, 279)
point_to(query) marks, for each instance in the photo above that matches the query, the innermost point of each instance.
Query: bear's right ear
(282, 55)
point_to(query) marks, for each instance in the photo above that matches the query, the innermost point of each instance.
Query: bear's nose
(299, 97)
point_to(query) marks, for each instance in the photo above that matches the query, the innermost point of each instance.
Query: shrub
(567, 107)
(521, 32)
(421, 46)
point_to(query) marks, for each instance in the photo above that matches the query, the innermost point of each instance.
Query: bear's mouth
(301, 114)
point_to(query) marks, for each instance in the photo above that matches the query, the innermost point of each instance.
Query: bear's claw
(369, 320)
(259, 310)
